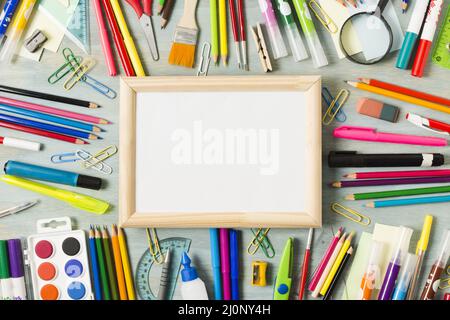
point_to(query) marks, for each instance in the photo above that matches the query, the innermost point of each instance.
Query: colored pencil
(167, 12)
(50, 118)
(398, 174)
(48, 127)
(110, 265)
(104, 38)
(408, 201)
(102, 265)
(223, 31)
(397, 193)
(118, 40)
(399, 96)
(161, 4)
(406, 91)
(126, 265)
(118, 263)
(338, 274)
(305, 265)
(389, 182)
(54, 111)
(48, 97)
(43, 133)
(326, 257)
(214, 30)
(94, 265)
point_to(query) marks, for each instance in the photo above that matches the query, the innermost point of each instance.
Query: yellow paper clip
(78, 73)
(101, 156)
(323, 17)
(350, 214)
(153, 246)
(259, 269)
(64, 69)
(259, 239)
(340, 99)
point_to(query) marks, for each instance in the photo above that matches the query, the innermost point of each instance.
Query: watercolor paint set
(58, 261)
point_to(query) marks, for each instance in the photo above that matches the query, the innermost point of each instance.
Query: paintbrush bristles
(182, 54)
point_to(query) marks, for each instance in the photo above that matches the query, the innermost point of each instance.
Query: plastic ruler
(441, 51)
(78, 30)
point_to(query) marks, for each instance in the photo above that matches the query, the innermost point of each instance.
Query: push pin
(36, 41)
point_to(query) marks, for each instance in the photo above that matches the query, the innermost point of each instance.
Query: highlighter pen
(34, 172)
(426, 38)
(225, 263)
(401, 289)
(76, 200)
(17, 27)
(16, 269)
(276, 39)
(312, 39)
(215, 262)
(412, 33)
(421, 248)
(6, 16)
(234, 258)
(295, 41)
(392, 272)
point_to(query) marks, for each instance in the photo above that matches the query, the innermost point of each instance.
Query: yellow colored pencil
(118, 262)
(126, 265)
(128, 39)
(399, 96)
(336, 265)
(223, 31)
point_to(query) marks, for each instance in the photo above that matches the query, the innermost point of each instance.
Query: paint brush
(185, 39)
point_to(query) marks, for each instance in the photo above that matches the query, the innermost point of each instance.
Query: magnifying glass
(374, 33)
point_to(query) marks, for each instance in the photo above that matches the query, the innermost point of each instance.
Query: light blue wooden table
(32, 75)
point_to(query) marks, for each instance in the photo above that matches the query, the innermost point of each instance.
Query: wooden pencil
(223, 31)
(119, 265)
(126, 265)
(102, 265)
(338, 273)
(397, 193)
(398, 174)
(110, 265)
(167, 12)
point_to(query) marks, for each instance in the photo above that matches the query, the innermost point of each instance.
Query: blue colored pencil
(48, 127)
(407, 201)
(50, 118)
(215, 262)
(94, 266)
(234, 261)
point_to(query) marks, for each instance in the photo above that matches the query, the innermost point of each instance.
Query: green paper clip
(261, 240)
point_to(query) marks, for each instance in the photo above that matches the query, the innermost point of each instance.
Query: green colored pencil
(397, 193)
(101, 265)
(214, 30)
(161, 6)
(110, 265)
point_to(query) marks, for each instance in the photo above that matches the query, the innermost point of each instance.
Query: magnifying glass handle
(382, 4)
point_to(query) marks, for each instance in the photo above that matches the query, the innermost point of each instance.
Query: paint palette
(58, 261)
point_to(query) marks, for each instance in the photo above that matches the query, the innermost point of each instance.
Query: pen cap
(295, 42)
(21, 144)
(377, 252)
(315, 48)
(445, 249)
(338, 159)
(4, 266)
(422, 244)
(404, 236)
(276, 40)
(89, 182)
(15, 258)
(188, 273)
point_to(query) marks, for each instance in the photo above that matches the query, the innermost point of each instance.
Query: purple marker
(225, 263)
(16, 270)
(388, 286)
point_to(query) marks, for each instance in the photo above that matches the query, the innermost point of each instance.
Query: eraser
(377, 109)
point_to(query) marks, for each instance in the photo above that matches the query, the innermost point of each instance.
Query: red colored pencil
(398, 174)
(406, 91)
(305, 265)
(118, 40)
(40, 132)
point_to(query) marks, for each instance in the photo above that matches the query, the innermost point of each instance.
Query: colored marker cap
(422, 244)
(4, 260)
(404, 56)
(15, 258)
(89, 182)
(188, 273)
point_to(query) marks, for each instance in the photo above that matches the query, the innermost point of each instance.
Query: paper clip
(79, 73)
(100, 156)
(153, 246)
(261, 240)
(99, 87)
(63, 70)
(100, 166)
(339, 102)
(323, 17)
(327, 99)
(65, 157)
(350, 214)
(204, 60)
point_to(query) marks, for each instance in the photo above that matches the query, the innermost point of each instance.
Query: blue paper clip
(327, 99)
(65, 157)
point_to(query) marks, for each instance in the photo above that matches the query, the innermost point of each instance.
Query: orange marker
(372, 277)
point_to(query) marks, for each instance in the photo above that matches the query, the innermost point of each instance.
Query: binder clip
(261, 47)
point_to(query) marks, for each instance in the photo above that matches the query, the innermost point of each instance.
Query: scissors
(284, 278)
(145, 18)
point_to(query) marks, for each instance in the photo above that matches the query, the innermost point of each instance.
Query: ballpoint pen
(429, 124)
(234, 259)
(164, 282)
(215, 262)
(17, 209)
(6, 17)
(305, 265)
(284, 277)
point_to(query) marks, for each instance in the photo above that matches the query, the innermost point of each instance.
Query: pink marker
(225, 263)
(371, 134)
(276, 39)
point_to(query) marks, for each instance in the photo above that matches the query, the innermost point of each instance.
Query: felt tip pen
(76, 200)
(6, 17)
(426, 38)
(16, 30)
(401, 289)
(234, 259)
(371, 134)
(6, 287)
(34, 172)
(276, 39)
(371, 279)
(298, 49)
(412, 33)
(215, 262)
(225, 262)
(312, 39)
(16, 269)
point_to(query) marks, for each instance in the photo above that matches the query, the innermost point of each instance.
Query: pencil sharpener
(35, 41)
(259, 269)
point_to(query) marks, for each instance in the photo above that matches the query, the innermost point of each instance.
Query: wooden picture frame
(129, 90)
